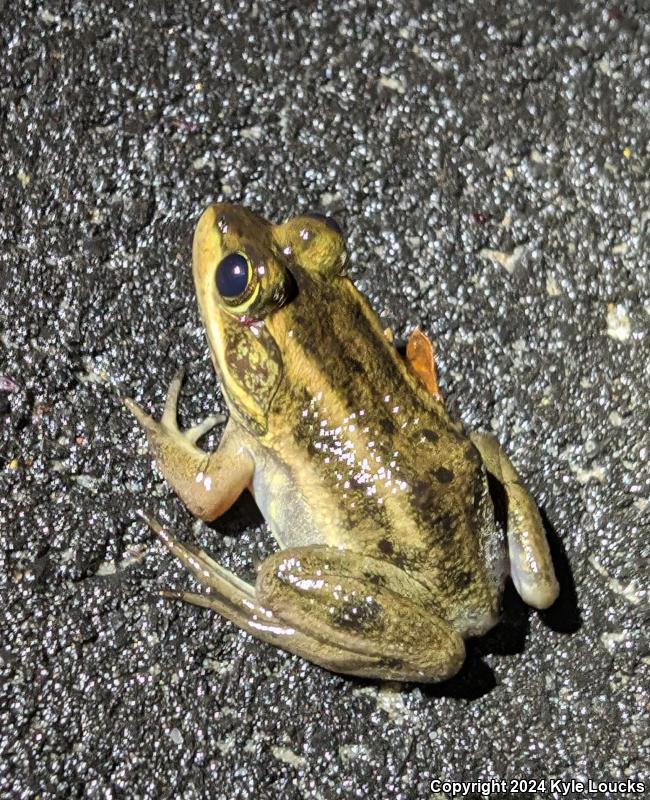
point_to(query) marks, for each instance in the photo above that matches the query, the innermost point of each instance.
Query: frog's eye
(233, 276)
(250, 285)
(329, 221)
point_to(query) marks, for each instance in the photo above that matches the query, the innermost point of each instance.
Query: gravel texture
(489, 163)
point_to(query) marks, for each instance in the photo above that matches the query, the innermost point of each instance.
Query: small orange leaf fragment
(421, 359)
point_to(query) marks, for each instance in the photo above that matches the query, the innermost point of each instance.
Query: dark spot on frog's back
(448, 523)
(443, 475)
(385, 546)
(443, 526)
(387, 426)
(472, 455)
(460, 579)
(422, 494)
(373, 579)
(400, 560)
(428, 435)
(352, 365)
(301, 321)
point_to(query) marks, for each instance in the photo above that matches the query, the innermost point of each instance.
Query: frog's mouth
(246, 321)
(250, 322)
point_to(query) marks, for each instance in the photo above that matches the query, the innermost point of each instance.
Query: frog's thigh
(208, 483)
(530, 559)
(348, 602)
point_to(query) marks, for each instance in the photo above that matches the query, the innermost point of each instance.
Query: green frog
(389, 553)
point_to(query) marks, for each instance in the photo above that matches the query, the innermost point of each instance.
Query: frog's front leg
(208, 483)
(531, 566)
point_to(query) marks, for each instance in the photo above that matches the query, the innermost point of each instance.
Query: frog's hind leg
(384, 622)
(329, 607)
(531, 566)
(236, 600)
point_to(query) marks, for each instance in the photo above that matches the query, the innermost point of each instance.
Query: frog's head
(246, 272)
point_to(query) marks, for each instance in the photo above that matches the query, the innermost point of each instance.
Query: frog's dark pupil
(329, 221)
(232, 275)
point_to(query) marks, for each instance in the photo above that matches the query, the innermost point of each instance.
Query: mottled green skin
(439, 526)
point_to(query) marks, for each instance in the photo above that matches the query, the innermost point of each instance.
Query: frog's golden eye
(234, 278)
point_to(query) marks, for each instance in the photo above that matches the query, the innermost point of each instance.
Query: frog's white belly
(291, 520)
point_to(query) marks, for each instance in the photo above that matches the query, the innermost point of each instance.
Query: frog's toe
(167, 427)
(170, 414)
(197, 561)
(145, 420)
(224, 591)
(168, 420)
(157, 431)
(204, 568)
(195, 433)
(171, 403)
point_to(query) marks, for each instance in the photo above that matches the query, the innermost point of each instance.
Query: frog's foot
(224, 592)
(421, 360)
(531, 566)
(208, 483)
(168, 425)
(317, 603)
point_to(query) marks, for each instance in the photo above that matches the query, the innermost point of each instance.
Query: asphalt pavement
(489, 165)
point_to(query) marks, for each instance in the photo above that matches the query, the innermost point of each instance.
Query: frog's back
(362, 456)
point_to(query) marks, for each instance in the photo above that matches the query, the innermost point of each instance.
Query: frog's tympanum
(389, 553)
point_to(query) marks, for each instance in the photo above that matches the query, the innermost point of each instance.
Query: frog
(390, 552)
